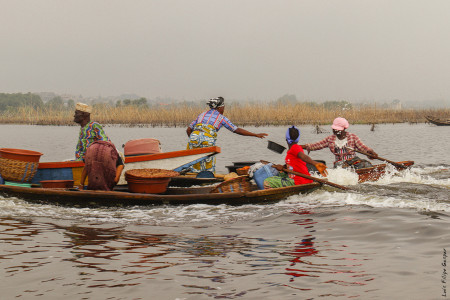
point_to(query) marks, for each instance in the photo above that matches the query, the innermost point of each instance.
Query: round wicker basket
(18, 165)
(16, 170)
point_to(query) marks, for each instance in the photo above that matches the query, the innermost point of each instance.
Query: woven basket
(17, 170)
(150, 173)
(238, 184)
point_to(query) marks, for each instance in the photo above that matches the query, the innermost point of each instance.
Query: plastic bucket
(262, 173)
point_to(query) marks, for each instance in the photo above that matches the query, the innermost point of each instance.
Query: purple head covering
(290, 139)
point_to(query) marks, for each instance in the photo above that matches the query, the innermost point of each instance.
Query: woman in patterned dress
(202, 132)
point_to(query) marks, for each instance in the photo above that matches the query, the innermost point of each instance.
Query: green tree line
(11, 101)
(8, 101)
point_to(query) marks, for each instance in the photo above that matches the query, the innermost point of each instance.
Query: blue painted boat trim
(53, 174)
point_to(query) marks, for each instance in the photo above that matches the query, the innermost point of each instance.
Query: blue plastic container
(1, 180)
(262, 173)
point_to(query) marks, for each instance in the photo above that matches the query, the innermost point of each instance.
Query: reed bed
(240, 114)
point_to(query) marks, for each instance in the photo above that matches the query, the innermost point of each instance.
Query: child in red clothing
(296, 160)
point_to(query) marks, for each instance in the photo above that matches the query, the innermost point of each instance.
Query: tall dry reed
(240, 114)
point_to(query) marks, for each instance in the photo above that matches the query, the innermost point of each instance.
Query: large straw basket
(238, 184)
(150, 173)
(18, 165)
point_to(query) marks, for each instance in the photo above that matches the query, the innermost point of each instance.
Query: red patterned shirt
(353, 142)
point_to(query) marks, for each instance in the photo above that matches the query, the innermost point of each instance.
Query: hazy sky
(356, 50)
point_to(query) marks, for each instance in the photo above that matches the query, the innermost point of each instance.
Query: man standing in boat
(202, 132)
(103, 163)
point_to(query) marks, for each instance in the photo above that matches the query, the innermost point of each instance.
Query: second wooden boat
(374, 173)
(173, 196)
(437, 122)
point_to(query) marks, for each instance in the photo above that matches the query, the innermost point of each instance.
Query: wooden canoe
(173, 196)
(374, 173)
(437, 122)
(175, 160)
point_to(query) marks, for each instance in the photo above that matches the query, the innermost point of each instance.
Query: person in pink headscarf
(342, 144)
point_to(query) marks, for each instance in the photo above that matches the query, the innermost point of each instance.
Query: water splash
(417, 188)
(342, 176)
(416, 175)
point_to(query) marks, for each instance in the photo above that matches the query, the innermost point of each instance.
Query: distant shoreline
(181, 126)
(240, 115)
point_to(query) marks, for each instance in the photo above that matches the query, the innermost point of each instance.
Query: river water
(383, 240)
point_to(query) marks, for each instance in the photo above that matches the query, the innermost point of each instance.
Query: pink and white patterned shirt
(341, 153)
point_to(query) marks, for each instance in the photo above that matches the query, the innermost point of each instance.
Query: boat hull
(437, 121)
(173, 196)
(175, 160)
(374, 173)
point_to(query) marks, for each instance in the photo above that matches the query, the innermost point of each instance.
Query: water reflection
(309, 253)
(116, 250)
(304, 248)
(90, 257)
(324, 263)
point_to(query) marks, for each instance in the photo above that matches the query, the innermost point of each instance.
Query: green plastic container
(17, 184)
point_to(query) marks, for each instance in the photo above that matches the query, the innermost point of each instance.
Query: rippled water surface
(383, 240)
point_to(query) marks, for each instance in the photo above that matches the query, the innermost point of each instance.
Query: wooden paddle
(380, 158)
(318, 180)
(314, 178)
